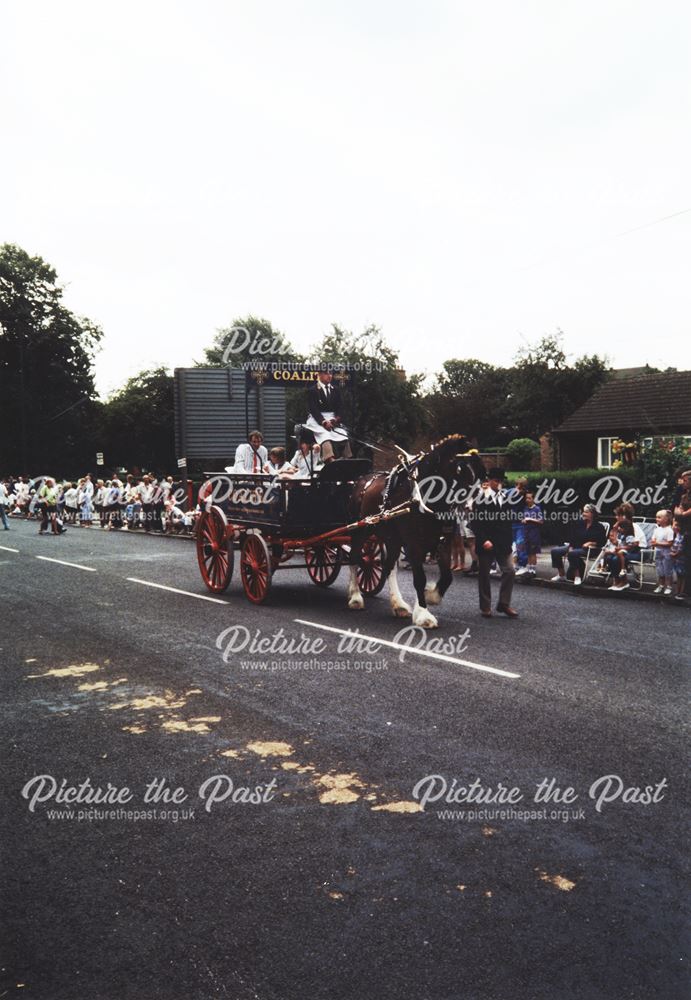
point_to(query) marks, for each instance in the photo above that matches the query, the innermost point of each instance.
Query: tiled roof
(659, 403)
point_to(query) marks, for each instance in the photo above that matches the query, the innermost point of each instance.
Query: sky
(465, 175)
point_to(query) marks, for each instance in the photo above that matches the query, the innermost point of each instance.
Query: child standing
(528, 544)
(662, 539)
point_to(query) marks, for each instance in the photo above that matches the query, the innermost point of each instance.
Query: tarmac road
(337, 884)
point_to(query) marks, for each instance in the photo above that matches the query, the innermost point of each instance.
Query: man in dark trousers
(325, 419)
(492, 521)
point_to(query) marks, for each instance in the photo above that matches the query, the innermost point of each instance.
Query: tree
(383, 402)
(248, 340)
(137, 423)
(521, 452)
(470, 397)
(47, 390)
(545, 388)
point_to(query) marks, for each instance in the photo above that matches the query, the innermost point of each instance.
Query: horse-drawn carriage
(269, 520)
(342, 516)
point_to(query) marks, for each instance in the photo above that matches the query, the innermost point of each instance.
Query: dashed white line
(174, 590)
(87, 569)
(6, 548)
(411, 650)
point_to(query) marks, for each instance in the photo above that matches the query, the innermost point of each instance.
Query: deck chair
(638, 566)
(593, 557)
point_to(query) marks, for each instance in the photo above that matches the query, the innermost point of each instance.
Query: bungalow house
(640, 408)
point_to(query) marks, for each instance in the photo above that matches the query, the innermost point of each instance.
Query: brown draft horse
(441, 480)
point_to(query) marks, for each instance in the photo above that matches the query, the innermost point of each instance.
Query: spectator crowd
(591, 548)
(594, 547)
(145, 503)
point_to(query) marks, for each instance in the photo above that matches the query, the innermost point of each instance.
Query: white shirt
(249, 460)
(275, 470)
(305, 466)
(663, 534)
(146, 492)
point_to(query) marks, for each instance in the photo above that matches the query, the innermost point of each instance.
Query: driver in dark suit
(325, 420)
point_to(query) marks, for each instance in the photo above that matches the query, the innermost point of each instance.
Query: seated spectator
(627, 549)
(587, 533)
(609, 549)
(662, 539)
(175, 519)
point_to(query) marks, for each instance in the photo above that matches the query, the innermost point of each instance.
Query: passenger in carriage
(252, 455)
(305, 462)
(277, 463)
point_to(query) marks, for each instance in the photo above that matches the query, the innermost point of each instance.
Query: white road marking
(89, 569)
(409, 649)
(174, 590)
(6, 548)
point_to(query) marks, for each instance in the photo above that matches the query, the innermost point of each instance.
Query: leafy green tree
(545, 388)
(137, 423)
(47, 395)
(470, 397)
(521, 452)
(383, 403)
(248, 339)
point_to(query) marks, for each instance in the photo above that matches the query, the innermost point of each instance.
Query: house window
(604, 452)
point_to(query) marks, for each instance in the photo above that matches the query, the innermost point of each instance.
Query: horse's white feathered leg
(422, 617)
(432, 594)
(355, 599)
(399, 607)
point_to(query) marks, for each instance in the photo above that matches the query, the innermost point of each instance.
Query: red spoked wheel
(370, 567)
(255, 568)
(323, 564)
(214, 550)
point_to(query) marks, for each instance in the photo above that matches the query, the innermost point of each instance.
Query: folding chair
(592, 558)
(637, 566)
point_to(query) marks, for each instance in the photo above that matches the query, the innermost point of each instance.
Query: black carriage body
(289, 508)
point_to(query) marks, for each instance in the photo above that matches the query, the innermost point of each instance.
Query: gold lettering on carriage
(220, 489)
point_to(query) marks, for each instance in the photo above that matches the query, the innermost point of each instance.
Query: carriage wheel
(214, 551)
(370, 567)
(255, 568)
(323, 564)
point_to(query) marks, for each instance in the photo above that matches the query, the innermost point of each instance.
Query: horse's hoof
(401, 611)
(424, 619)
(356, 604)
(432, 595)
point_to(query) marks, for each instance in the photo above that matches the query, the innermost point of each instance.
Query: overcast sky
(459, 173)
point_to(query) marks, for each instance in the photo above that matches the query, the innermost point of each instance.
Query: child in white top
(663, 536)
(277, 462)
(611, 546)
(305, 461)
